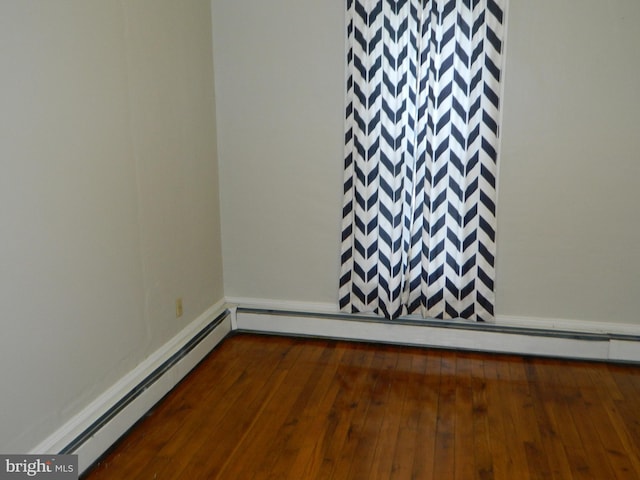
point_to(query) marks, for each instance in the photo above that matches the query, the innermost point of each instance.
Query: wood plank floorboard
(267, 407)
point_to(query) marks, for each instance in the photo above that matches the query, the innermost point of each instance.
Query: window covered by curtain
(421, 143)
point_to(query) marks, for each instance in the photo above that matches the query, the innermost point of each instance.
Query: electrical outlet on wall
(178, 307)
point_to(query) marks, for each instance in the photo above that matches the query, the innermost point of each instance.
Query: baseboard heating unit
(498, 337)
(92, 432)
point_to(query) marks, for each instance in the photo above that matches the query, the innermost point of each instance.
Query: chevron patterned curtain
(421, 143)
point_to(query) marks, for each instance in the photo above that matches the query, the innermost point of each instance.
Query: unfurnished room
(346, 239)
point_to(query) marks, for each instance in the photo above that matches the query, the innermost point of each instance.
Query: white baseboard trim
(566, 325)
(288, 305)
(91, 432)
(518, 335)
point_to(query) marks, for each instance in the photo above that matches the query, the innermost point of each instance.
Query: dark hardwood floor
(262, 407)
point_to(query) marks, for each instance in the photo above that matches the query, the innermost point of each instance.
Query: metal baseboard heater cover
(135, 392)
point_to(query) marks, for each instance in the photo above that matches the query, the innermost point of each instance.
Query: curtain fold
(421, 142)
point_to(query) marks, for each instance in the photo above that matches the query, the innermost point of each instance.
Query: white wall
(569, 232)
(108, 198)
(279, 97)
(569, 229)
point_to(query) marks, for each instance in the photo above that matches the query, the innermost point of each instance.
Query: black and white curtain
(421, 145)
